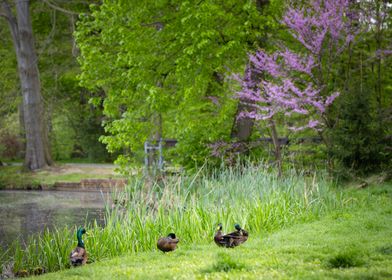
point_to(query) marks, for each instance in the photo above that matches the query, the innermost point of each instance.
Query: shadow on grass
(385, 250)
(225, 263)
(345, 259)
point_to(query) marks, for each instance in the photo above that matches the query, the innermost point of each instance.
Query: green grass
(281, 215)
(351, 243)
(48, 178)
(12, 177)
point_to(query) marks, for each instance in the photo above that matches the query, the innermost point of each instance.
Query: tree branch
(3, 15)
(3, 10)
(59, 8)
(8, 15)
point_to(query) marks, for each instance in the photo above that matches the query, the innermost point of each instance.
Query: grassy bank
(353, 243)
(13, 177)
(191, 207)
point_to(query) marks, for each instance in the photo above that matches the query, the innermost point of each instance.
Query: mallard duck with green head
(168, 243)
(232, 239)
(78, 255)
(241, 235)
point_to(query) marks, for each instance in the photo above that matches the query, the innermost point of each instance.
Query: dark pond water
(23, 213)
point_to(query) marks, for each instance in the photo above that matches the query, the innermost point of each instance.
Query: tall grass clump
(190, 206)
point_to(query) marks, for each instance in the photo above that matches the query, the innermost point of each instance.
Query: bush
(10, 146)
(357, 135)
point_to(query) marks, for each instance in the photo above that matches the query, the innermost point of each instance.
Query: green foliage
(9, 80)
(356, 134)
(11, 144)
(150, 69)
(72, 121)
(81, 119)
(168, 59)
(62, 139)
(361, 126)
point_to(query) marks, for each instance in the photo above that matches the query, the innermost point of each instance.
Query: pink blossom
(331, 98)
(263, 62)
(322, 25)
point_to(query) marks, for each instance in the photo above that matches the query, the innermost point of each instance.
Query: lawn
(350, 243)
(12, 177)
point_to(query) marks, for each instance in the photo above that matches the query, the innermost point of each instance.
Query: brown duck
(78, 255)
(241, 234)
(232, 239)
(167, 244)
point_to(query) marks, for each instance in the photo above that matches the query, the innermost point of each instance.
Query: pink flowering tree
(291, 83)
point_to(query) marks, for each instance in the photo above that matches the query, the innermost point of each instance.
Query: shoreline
(83, 185)
(72, 177)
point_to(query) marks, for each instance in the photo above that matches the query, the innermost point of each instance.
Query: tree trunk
(37, 149)
(277, 148)
(378, 36)
(242, 127)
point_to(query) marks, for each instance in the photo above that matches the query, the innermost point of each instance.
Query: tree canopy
(126, 72)
(165, 67)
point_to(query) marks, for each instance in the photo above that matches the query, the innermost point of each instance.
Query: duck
(168, 243)
(232, 239)
(39, 270)
(241, 235)
(218, 238)
(22, 273)
(78, 255)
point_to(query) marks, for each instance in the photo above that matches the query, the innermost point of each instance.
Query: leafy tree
(37, 147)
(164, 66)
(72, 123)
(355, 135)
(292, 82)
(363, 116)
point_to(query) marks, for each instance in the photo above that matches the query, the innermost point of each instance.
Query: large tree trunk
(37, 149)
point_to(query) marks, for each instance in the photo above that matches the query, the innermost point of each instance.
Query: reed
(190, 206)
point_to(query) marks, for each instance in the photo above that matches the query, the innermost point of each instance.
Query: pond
(23, 213)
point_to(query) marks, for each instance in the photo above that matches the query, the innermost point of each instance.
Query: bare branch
(7, 13)
(59, 8)
(3, 10)
(4, 16)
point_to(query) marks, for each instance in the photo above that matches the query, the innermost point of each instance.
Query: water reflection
(23, 213)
